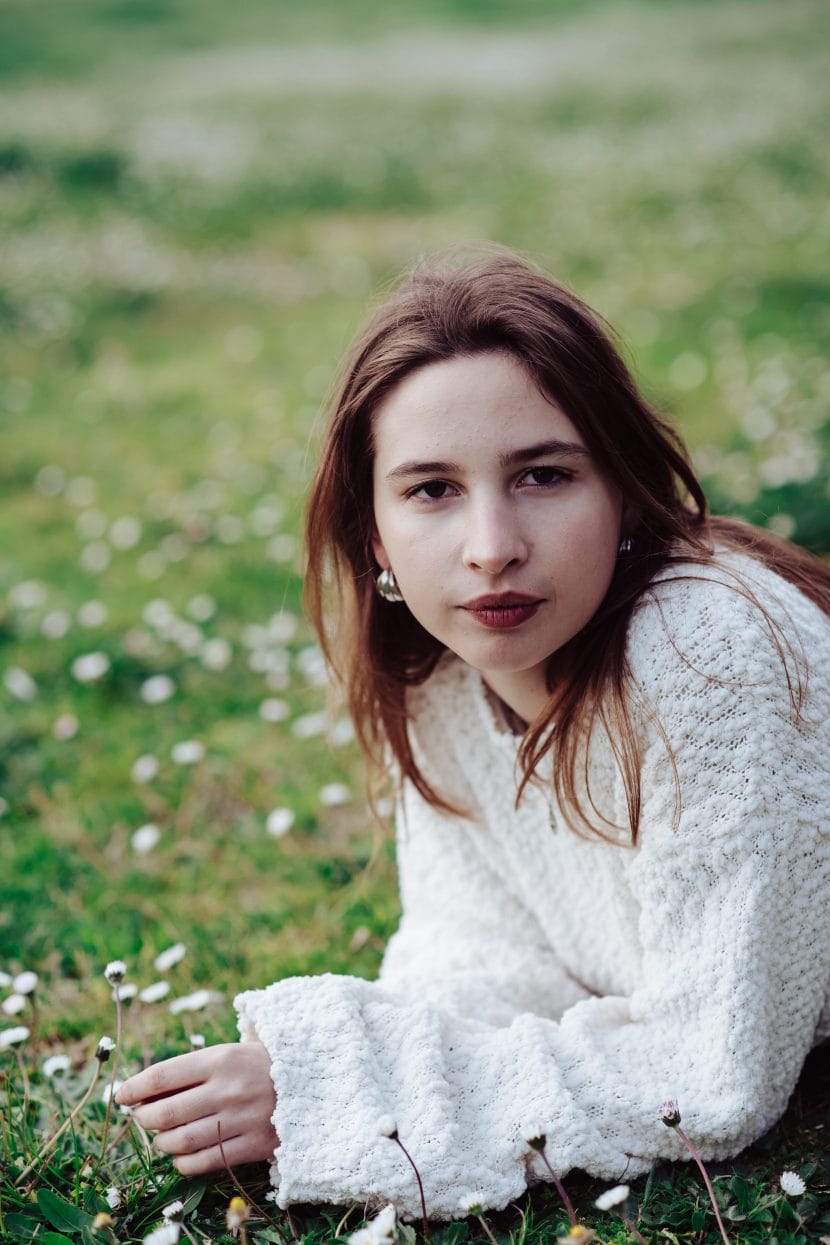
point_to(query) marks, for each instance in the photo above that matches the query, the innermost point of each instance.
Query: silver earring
(387, 586)
(626, 544)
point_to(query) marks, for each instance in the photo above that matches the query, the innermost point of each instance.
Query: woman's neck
(520, 695)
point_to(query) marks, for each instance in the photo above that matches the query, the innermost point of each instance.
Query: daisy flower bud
(669, 1113)
(14, 1004)
(537, 1143)
(171, 956)
(197, 1041)
(11, 1037)
(102, 1220)
(471, 1204)
(104, 1049)
(387, 1127)
(237, 1213)
(612, 1197)
(25, 983)
(55, 1064)
(173, 1210)
(792, 1184)
(115, 972)
(155, 993)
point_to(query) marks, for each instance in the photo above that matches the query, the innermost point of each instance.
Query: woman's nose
(493, 539)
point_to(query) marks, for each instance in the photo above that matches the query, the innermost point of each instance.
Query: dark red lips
(503, 610)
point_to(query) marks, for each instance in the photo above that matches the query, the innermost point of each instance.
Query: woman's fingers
(166, 1077)
(174, 1109)
(244, 1148)
(193, 1136)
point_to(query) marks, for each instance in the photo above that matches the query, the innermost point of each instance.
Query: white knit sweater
(545, 983)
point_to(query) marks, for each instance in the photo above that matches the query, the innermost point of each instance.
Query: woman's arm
(735, 966)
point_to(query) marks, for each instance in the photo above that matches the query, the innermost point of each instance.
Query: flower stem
(50, 1141)
(560, 1189)
(244, 1193)
(690, 1147)
(119, 1013)
(485, 1225)
(420, 1185)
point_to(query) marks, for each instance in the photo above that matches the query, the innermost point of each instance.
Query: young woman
(606, 714)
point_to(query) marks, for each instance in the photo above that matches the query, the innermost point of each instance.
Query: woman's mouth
(504, 610)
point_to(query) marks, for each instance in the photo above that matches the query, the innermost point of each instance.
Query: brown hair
(498, 301)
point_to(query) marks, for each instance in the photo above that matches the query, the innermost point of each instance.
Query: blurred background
(198, 202)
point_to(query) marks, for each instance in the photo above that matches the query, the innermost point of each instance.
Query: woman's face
(500, 528)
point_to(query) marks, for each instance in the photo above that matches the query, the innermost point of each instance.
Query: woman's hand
(186, 1099)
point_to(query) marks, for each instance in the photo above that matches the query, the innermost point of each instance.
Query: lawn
(197, 203)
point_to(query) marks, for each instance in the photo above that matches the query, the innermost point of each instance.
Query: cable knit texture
(543, 982)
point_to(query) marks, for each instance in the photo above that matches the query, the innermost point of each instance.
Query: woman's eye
(542, 476)
(434, 489)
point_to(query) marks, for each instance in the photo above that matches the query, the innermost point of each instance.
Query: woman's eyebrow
(511, 458)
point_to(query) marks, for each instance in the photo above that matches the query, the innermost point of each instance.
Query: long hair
(499, 302)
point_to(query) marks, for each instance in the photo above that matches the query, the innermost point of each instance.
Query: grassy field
(197, 203)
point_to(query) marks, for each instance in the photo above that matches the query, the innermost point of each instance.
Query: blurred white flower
(312, 664)
(144, 768)
(279, 822)
(157, 689)
(158, 613)
(471, 1204)
(165, 960)
(50, 480)
(334, 794)
(65, 727)
(216, 654)
(89, 667)
(55, 624)
(20, 683)
(5, 980)
(115, 972)
(283, 626)
(195, 1002)
(110, 1090)
(201, 608)
(91, 524)
(95, 557)
(229, 529)
(25, 982)
(104, 1049)
(92, 614)
(274, 710)
(197, 1041)
(309, 725)
(386, 1126)
(792, 1184)
(125, 532)
(612, 1197)
(151, 565)
(281, 548)
(27, 595)
(14, 1004)
(55, 1064)
(155, 993)
(187, 752)
(379, 1231)
(167, 1234)
(341, 733)
(172, 1210)
(145, 838)
(113, 1196)
(128, 991)
(11, 1037)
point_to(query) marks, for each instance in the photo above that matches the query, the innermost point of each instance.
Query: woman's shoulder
(730, 617)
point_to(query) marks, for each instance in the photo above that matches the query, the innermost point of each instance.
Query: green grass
(197, 201)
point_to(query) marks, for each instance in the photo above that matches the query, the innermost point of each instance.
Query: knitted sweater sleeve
(735, 964)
